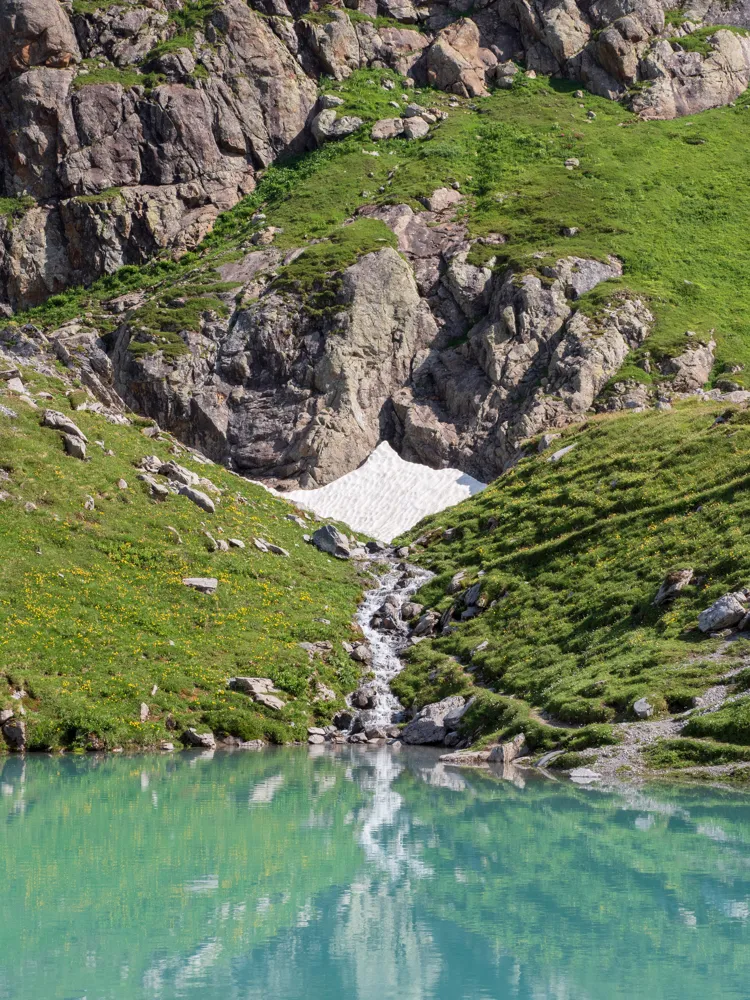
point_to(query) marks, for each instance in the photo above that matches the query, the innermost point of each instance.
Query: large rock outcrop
(119, 143)
(451, 362)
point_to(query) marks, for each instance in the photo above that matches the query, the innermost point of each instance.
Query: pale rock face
(685, 83)
(692, 368)
(457, 63)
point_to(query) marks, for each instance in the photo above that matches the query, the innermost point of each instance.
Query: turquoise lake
(363, 873)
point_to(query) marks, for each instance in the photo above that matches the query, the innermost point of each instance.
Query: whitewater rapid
(387, 647)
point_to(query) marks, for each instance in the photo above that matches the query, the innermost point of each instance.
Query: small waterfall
(400, 583)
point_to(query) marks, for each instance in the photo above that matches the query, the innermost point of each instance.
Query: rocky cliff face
(126, 128)
(454, 364)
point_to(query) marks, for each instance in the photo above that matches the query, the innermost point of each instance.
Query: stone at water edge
(466, 758)
(195, 739)
(453, 719)
(14, 732)
(504, 753)
(343, 719)
(364, 697)
(583, 775)
(315, 738)
(428, 724)
(410, 610)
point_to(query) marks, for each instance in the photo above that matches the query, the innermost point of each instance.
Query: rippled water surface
(363, 874)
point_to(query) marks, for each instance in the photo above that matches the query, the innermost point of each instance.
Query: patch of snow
(386, 495)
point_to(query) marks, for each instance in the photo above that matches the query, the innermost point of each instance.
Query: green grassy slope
(93, 612)
(573, 553)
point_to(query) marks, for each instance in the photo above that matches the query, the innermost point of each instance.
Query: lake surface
(366, 874)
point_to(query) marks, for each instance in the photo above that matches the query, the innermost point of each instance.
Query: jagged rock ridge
(119, 141)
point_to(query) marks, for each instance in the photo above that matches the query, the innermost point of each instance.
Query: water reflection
(373, 873)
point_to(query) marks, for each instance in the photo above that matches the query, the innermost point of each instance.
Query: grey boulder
(199, 498)
(329, 539)
(428, 725)
(327, 127)
(724, 613)
(74, 446)
(204, 740)
(504, 753)
(59, 422)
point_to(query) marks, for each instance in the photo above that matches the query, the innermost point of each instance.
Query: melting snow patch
(386, 496)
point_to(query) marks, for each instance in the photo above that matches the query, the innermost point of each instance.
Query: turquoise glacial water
(363, 874)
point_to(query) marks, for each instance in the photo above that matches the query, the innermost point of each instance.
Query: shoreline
(518, 773)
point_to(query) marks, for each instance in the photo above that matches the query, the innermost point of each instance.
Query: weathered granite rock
(672, 585)
(330, 539)
(14, 733)
(74, 446)
(326, 126)
(59, 422)
(387, 128)
(457, 63)
(504, 753)
(724, 613)
(195, 739)
(260, 689)
(691, 370)
(428, 726)
(643, 708)
(199, 498)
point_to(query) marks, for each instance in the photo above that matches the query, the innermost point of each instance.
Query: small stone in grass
(206, 585)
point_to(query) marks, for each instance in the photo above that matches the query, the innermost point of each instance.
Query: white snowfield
(386, 496)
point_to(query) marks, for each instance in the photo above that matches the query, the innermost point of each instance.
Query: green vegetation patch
(95, 620)
(679, 753)
(700, 39)
(573, 554)
(730, 724)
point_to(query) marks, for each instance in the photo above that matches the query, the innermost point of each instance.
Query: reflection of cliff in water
(366, 873)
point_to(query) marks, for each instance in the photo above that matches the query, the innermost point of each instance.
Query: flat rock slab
(205, 584)
(472, 758)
